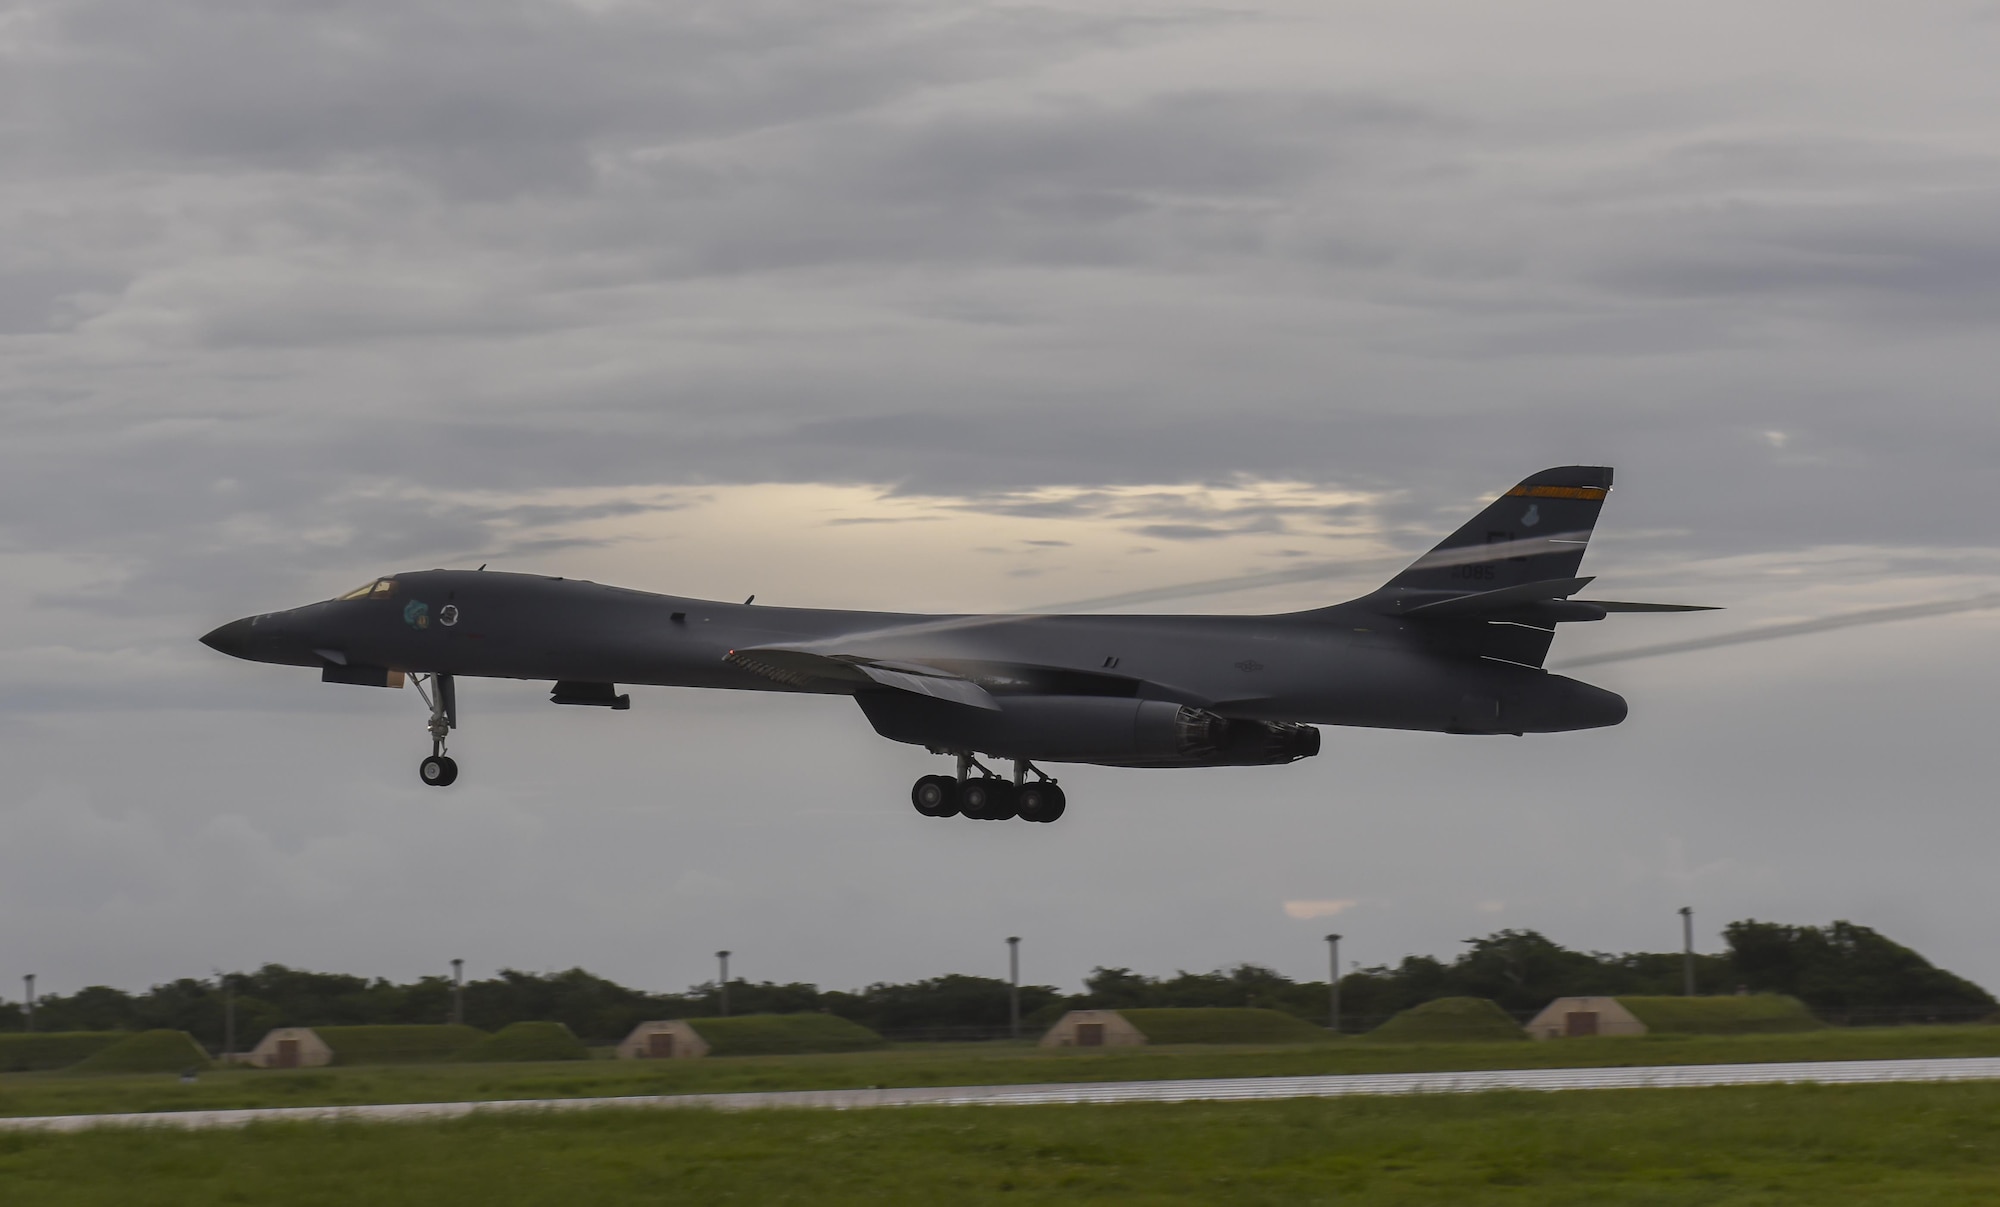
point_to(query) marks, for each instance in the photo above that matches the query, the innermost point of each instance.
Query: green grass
(1740, 1015)
(383, 1045)
(1887, 1146)
(52, 1049)
(782, 1034)
(1449, 1020)
(526, 1042)
(1223, 1025)
(945, 1064)
(157, 1051)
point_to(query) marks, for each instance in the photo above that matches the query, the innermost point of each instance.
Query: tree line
(1844, 972)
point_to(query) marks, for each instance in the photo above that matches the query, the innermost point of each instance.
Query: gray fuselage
(1347, 665)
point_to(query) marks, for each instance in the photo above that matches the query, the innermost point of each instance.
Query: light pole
(228, 1020)
(723, 984)
(1014, 986)
(1333, 983)
(1687, 950)
(458, 993)
(30, 979)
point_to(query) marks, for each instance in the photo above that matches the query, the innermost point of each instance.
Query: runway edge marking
(1243, 1089)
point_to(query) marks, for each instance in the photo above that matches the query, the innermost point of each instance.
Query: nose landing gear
(440, 770)
(989, 797)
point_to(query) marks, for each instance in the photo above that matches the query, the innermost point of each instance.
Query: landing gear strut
(989, 797)
(440, 769)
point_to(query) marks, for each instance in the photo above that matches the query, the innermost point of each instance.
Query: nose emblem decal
(417, 614)
(448, 615)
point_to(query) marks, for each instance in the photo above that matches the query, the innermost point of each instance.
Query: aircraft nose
(232, 639)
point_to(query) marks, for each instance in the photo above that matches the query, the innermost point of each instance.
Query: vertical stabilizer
(1533, 533)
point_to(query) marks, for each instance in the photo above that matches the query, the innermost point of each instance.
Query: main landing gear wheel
(987, 798)
(935, 796)
(1042, 802)
(439, 770)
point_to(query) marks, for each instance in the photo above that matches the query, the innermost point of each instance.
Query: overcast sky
(989, 306)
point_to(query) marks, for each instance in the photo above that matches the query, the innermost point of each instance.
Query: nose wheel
(439, 770)
(440, 693)
(989, 797)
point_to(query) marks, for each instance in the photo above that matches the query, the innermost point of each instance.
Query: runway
(1243, 1089)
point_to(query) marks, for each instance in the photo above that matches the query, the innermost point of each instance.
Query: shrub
(527, 1041)
(52, 1049)
(1450, 1020)
(396, 1045)
(159, 1051)
(1739, 1015)
(781, 1034)
(1222, 1025)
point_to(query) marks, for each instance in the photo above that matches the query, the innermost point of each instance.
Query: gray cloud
(1182, 532)
(297, 292)
(486, 101)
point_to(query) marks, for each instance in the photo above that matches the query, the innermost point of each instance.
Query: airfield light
(458, 992)
(1333, 983)
(1014, 986)
(1687, 950)
(722, 985)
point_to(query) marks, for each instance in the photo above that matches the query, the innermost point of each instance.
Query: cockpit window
(381, 588)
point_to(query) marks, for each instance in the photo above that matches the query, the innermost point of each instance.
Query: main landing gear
(439, 770)
(988, 797)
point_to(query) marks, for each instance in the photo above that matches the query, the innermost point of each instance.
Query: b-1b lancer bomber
(1453, 644)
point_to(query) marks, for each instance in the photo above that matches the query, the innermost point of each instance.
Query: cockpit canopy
(381, 588)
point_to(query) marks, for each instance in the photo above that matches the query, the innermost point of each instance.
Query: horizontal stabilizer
(1611, 605)
(1506, 599)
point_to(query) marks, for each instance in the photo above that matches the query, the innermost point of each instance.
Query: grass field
(1449, 1019)
(940, 1064)
(1223, 1025)
(1732, 1015)
(21, 1052)
(1883, 1145)
(383, 1045)
(783, 1034)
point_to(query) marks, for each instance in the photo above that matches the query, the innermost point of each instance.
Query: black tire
(438, 771)
(1002, 800)
(973, 798)
(935, 796)
(984, 798)
(1040, 802)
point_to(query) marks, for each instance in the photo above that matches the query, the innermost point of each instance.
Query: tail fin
(1498, 586)
(1534, 533)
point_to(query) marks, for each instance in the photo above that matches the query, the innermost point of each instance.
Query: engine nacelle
(1107, 730)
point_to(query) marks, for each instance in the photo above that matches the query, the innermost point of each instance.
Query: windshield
(381, 588)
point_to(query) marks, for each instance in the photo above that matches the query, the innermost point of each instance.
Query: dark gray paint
(1453, 644)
